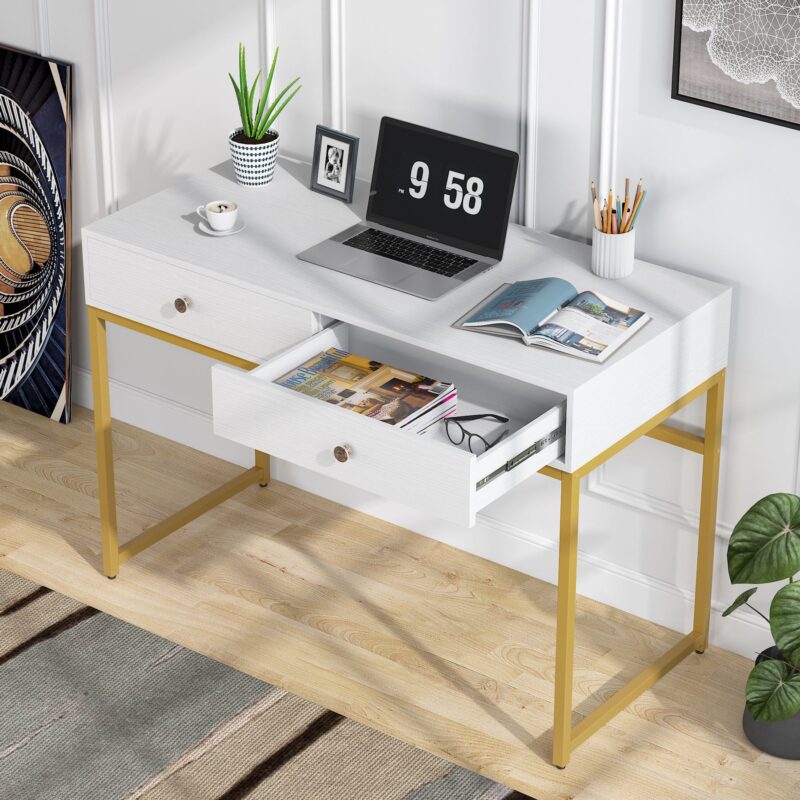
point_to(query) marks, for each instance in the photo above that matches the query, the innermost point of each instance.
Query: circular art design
(33, 248)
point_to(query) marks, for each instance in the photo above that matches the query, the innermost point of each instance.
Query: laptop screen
(442, 187)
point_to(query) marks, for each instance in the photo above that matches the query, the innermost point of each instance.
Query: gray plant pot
(782, 738)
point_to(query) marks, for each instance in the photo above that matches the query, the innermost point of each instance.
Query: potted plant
(254, 145)
(764, 548)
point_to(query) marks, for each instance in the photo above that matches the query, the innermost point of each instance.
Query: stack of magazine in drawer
(411, 402)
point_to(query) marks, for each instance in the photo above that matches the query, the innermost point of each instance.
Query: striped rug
(95, 709)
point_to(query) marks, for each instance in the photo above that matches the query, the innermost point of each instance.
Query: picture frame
(35, 231)
(737, 87)
(333, 170)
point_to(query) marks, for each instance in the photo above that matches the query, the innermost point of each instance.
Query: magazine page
(592, 325)
(522, 305)
(317, 377)
(364, 386)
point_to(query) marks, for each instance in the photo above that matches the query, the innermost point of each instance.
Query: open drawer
(423, 471)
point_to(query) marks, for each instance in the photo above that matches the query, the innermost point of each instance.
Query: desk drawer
(219, 315)
(426, 472)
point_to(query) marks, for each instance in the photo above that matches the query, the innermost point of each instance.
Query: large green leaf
(271, 114)
(265, 95)
(250, 99)
(785, 622)
(260, 109)
(271, 72)
(239, 101)
(765, 544)
(773, 691)
(247, 118)
(740, 601)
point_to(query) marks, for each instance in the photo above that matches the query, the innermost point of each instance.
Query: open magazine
(550, 312)
(391, 395)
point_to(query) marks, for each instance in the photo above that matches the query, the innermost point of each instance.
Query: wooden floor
(442, 649)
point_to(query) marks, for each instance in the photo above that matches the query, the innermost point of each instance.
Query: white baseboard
(656, 600)
(160, 415)
(602, 580)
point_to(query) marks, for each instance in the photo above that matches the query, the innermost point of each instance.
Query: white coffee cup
(219, 214)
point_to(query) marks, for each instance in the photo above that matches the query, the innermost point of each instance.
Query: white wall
(152, 101)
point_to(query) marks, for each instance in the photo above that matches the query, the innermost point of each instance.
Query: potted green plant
(764, 548)
(254, 145)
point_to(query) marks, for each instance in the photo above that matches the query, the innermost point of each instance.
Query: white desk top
(284, 218)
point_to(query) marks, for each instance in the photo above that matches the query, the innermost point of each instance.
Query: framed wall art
(35, 95)
(741, 56)
(333, 171)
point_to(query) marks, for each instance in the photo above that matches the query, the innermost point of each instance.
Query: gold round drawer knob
(182, 304)
(342, 453)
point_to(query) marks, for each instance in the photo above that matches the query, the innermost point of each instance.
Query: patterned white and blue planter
(254, 163)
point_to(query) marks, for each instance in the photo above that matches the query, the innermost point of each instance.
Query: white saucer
(207, 229)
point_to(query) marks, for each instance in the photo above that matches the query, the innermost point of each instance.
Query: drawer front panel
(219, 315)
(425, 472)
(389, 462)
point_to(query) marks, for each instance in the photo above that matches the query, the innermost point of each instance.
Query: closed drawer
(426, 472)
(219, 315)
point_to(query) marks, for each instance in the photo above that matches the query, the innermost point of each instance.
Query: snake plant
(765, 547)
(258, 119)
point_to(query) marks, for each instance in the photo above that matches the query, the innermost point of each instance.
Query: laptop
(437, 214)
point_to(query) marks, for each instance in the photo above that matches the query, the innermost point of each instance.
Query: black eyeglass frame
(469, 434)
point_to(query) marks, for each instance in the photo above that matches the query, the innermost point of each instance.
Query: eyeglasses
(456, 432)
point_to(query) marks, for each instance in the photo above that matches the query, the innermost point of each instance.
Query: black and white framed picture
(740, 56)
(334, 169)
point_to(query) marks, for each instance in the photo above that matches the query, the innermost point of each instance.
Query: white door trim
(105, 109)
(609, 114)
(336, 45)
(528, 112)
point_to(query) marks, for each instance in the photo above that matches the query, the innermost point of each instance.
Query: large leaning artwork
(34, 233)
(741, 56)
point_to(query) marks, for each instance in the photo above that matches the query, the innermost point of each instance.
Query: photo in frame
(739, 56)
(333, 171)
(35, 135)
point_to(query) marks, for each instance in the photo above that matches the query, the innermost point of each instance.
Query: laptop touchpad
(378, 270)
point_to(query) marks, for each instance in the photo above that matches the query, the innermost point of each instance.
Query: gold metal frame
(113, 554)
(565, 737)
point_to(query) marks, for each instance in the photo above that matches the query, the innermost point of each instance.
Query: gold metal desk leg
(113, 555)
(262, 462)
(565, 737)
(105, 455)
(565, 623)
(707, 531)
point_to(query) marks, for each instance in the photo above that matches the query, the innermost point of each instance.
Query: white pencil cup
(612, 253)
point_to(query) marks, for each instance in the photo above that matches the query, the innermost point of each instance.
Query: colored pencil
(626, 206)
(638, 193)
(617, 214)
(636, 197)
(633, 213)
(636, 210)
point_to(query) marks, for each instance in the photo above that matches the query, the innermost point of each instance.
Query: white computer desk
(251, 305)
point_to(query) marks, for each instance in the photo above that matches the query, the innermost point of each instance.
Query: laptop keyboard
(408, 251)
